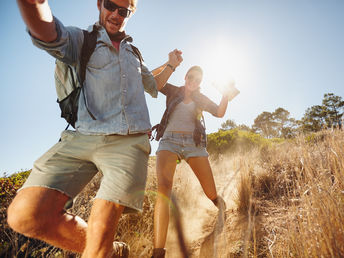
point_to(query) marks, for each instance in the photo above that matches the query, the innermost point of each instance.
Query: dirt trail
(206, 229)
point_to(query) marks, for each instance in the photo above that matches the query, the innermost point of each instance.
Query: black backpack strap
(137, 53)
(69, 105)
(74, 87)
(88, 47)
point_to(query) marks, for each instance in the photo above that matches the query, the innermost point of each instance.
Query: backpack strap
(88, 47)
(203, 121)
(137, 53)
(74, 92)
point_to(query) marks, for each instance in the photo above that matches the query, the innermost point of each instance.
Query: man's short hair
(132, 4)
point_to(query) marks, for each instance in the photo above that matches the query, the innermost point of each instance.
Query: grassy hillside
(284, 199)
(292, 195)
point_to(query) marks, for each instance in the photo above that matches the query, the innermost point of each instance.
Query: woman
(183, 137)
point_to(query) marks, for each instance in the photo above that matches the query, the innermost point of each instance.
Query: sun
(223, 64)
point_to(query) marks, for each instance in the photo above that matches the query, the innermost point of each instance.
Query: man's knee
(28, 214)
(21, 219)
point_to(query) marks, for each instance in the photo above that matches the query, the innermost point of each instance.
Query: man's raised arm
(38, 18)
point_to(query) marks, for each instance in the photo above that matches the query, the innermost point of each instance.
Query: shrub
(236, 140)
(10, 185)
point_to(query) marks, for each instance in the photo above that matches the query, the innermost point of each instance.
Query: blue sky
(281, 53)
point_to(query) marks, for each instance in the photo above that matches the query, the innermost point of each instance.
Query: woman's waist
(178, 134)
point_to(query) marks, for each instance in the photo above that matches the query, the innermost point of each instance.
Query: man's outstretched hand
(35, 1)
(175, 58)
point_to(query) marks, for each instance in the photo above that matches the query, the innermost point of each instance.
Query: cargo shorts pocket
(147, 145)
(66, 136)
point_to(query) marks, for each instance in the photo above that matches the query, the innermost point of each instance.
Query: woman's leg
(201, 168)
(165, 167)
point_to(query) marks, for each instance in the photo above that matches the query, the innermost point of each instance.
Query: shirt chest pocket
(100, 58)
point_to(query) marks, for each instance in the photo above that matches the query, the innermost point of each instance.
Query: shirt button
(123, 75)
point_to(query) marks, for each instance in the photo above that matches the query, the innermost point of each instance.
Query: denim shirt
(114, 85)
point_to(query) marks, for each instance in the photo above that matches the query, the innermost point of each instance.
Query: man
(114, 141)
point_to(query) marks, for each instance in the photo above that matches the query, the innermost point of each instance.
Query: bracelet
(173, 69)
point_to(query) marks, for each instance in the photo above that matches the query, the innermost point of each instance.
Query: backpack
(69, 83)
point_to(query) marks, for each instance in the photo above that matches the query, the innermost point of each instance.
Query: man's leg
(38, 212)
(102, 226)
(123, 162)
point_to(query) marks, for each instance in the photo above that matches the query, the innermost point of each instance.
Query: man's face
(111, 19)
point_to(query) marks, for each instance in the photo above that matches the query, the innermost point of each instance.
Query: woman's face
(193, 80)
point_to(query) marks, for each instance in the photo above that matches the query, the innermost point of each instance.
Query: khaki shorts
(71, 163)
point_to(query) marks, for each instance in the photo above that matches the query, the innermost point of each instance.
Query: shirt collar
(103, 36)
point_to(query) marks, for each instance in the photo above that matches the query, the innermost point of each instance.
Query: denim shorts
(181, 144)
(71, 163)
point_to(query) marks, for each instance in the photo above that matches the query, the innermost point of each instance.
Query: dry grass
(282, 201)
(293, 194)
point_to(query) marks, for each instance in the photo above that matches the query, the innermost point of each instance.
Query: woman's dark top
(175, 95)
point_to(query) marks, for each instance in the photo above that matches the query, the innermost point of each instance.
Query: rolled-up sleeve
(205, 103)
(66, 47)
(148, 81)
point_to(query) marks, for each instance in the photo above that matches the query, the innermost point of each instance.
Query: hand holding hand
(179, 53)
(175, 58)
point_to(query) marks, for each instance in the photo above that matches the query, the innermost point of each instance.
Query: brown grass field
(286, 200)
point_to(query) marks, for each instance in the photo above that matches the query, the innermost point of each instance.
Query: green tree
(264, 125)
(285, 126)
(276, 124)
(333, 107)
(326, 115)
(314, 119)
(243, 127)
(229, 124)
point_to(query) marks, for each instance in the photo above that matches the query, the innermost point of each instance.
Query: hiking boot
(120, 250)
(220, 203)
(158, 253)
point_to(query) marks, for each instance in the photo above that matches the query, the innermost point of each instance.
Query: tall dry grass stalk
(292, 198)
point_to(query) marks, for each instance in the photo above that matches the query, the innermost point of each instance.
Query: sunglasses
(111, 6)
(196, 78)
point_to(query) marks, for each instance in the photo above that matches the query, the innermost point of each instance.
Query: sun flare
(224, 64)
